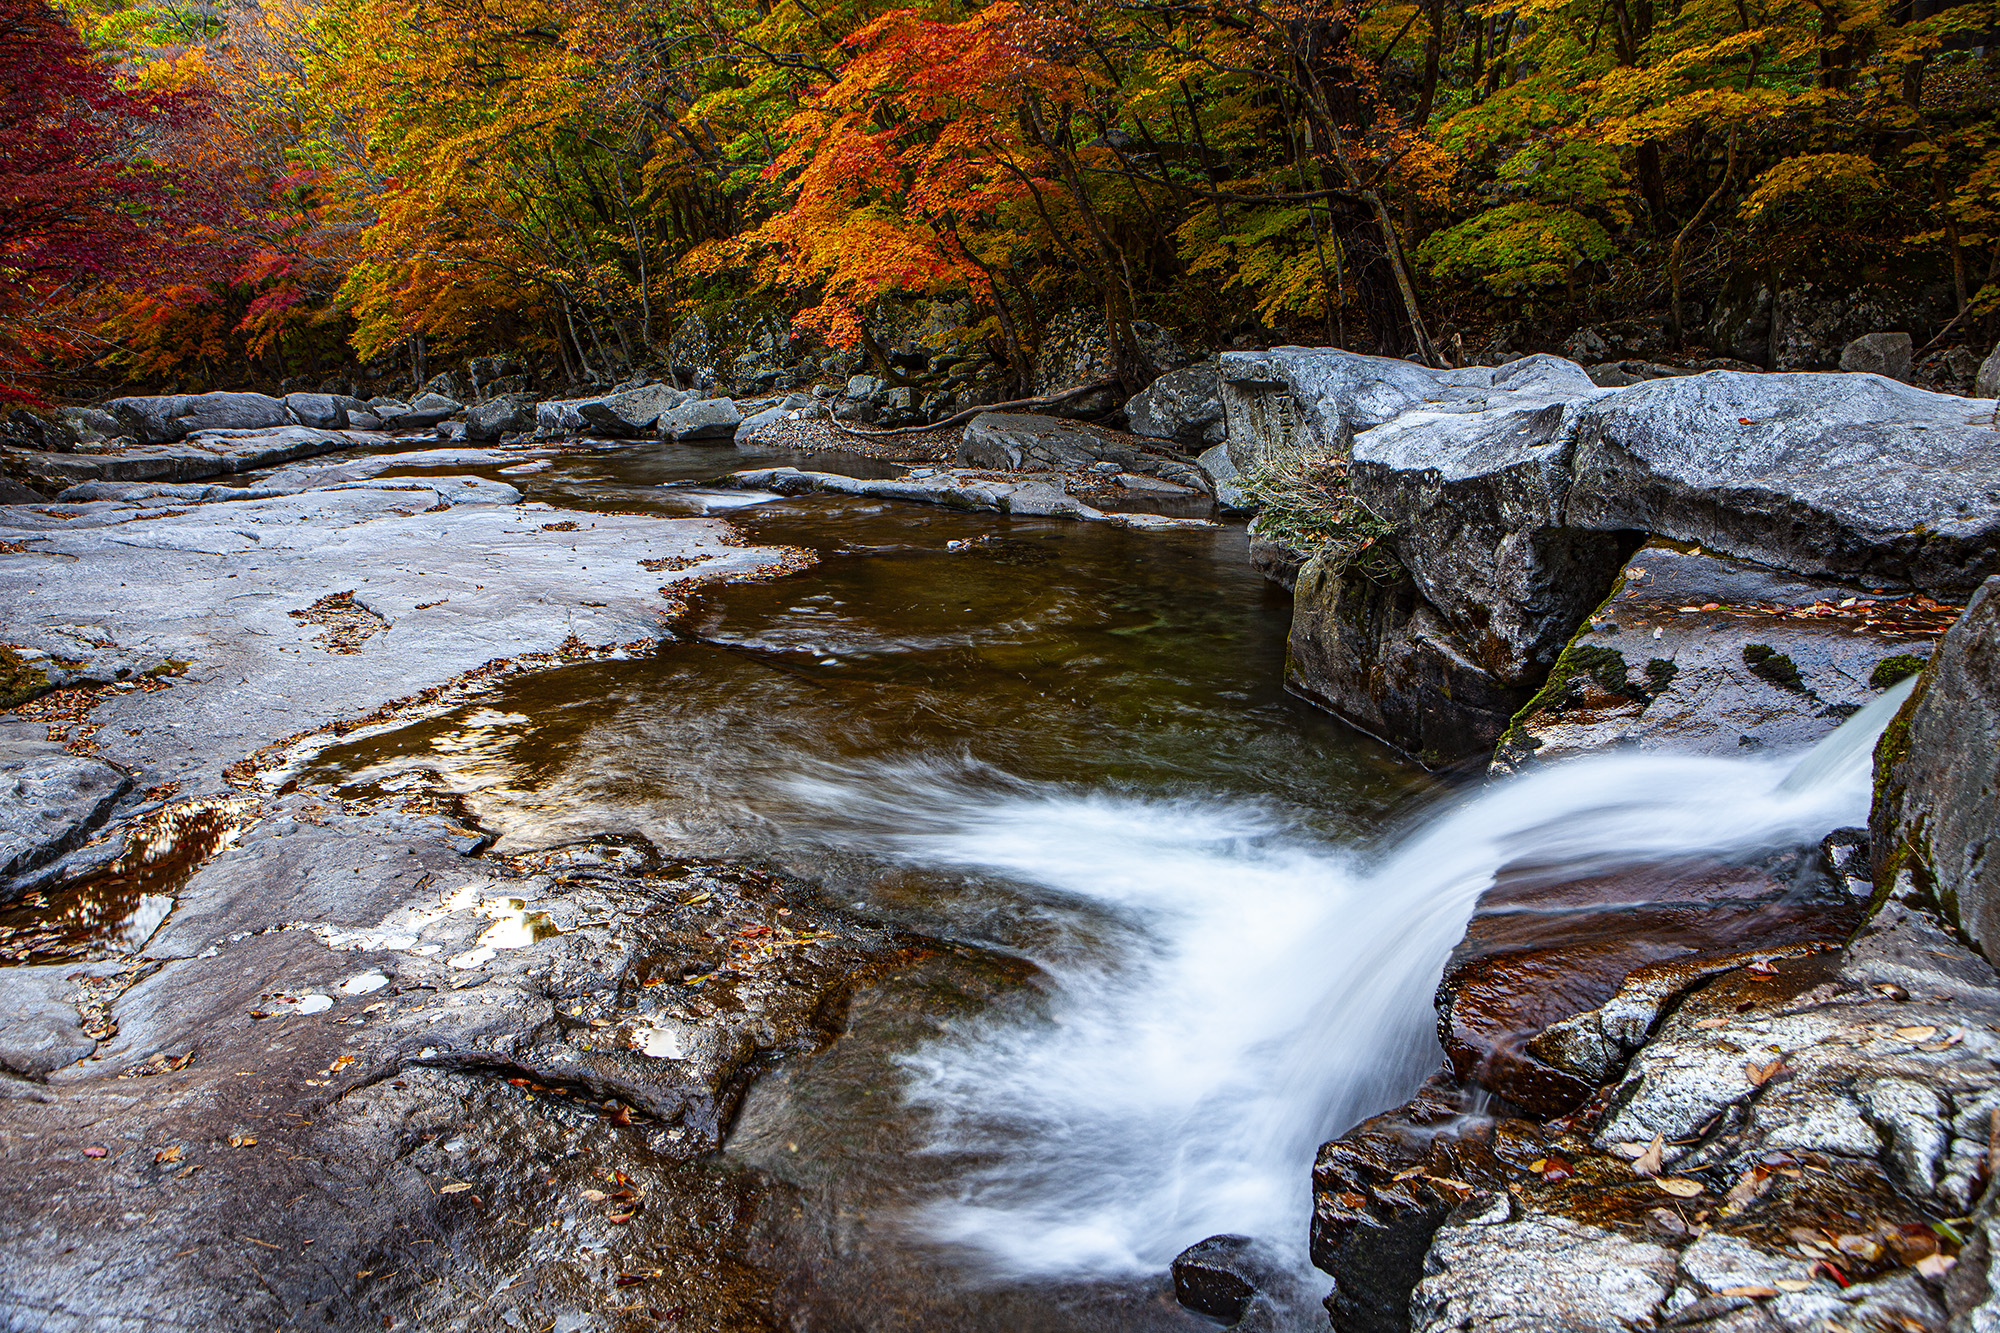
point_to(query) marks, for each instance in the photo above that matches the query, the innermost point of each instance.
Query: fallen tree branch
(1049, 400)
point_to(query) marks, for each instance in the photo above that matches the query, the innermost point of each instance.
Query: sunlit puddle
(116, 910)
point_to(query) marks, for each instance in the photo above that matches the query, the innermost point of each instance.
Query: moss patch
(20, 679)
(1767, 663)
(1892, 669)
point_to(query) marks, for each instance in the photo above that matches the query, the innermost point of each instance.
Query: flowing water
(1200, 922)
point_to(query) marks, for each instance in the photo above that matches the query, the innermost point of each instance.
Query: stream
(1197, 922)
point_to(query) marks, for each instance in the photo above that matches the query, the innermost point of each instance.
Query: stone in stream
(1238, 1280)
(1937, 809)
(1184, 406)
(1853, 477)
(1812, 1112)
(325, 410)
(508, 414)
(1696, 653)
(713, 419)
(1026, 442)
(1538, 953)
(164, 419)
(206, 455)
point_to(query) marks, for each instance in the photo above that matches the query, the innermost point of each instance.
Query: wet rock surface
(1938, 793)
(1028, 493)
(297, 610)
(1539, 952)
(278, 1059)
(363, 1075)
(1785, 1148)
(1023, 442)
(183, 460)
(1701, 654)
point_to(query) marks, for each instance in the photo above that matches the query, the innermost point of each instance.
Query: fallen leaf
(1922, 1032)
(628, 1280)
(1628, 1150)
(1416, 1171)
(172, 1154)
(595, 1196)
(1935, 1266)
(621, 1217)
(1648, 1162)
(1539, 1165)
(1761, 968)
(1759, 1075)
(1792, 1284)
(1866, 1248)
(454, 1188)
(242, 1140)
(1679, 1187)
(1752, 1290)
(96, 1150)
(1711, 1023)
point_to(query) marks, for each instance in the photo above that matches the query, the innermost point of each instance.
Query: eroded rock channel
(553, 884)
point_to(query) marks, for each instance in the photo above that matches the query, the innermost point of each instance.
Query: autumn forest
(198, 195)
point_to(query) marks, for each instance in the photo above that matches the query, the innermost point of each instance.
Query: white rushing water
(1224, 992)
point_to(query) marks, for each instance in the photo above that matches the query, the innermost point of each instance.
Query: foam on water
(1223, 992)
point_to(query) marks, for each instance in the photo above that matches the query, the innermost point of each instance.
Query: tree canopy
(193, 193)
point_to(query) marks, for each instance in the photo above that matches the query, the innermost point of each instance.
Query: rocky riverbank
(270, 1056)
(1754, 1092)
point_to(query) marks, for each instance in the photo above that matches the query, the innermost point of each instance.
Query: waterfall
(1222, 991)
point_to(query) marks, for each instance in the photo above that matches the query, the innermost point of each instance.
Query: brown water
(942, 700)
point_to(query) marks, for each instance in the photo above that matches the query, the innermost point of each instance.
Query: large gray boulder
(508, 414)
(1937, 803)
(1841, 476)
(702, 419)
(324, 410)
(164, 419)
(1028, 442)
(626, 414)
(1450, 622)
(1879, 354)
(1986, 383)
(1184, 406)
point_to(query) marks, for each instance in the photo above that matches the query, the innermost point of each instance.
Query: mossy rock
(20, 678)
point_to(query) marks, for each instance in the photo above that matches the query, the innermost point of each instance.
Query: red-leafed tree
(82, 197)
